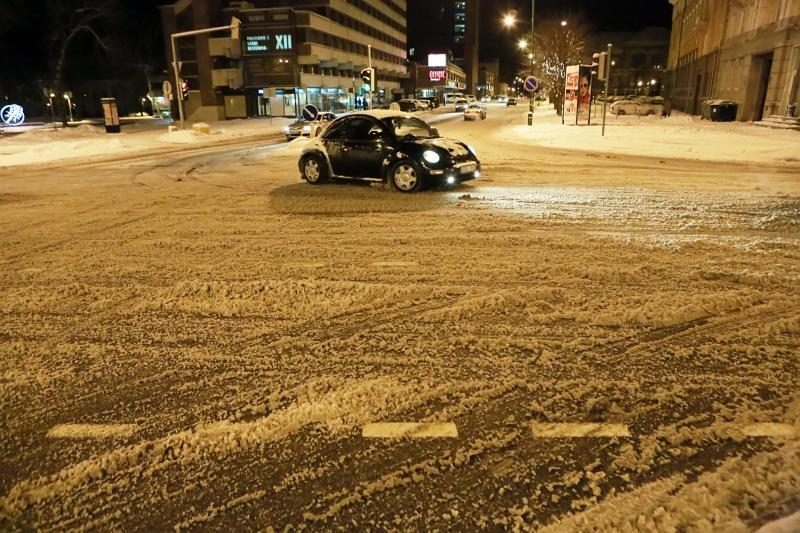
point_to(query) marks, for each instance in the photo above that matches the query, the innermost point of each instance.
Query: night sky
(497, 42)
(21, 23)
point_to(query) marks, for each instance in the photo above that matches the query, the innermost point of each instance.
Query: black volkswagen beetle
(387, 145)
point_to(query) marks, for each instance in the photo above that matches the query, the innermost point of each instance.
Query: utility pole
(371, 75)
(608, 82)
(176, 65)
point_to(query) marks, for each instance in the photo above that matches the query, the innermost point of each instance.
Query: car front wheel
(405, 176)
(315, 171)
(620, 112)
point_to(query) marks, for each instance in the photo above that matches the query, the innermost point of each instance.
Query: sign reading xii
(255, 44)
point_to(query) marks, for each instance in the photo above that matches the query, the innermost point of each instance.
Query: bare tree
(557, 45)
(69, 20)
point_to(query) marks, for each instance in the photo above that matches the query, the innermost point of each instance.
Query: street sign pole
(371, 75)
(176, 65)
(608, 82)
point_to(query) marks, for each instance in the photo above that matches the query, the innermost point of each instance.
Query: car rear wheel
(405, 177)
(650, 113)
(620, 112)
(315, 171)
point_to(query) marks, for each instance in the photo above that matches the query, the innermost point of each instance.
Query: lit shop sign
(437, 60)
(256, 44)
(12, 115)
(437, 75)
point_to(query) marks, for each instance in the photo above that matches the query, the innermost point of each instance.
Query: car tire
(620, 112)
(650, 113)
(314, 169)
(405, 176)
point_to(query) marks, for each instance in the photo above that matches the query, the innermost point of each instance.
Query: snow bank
(679, 136)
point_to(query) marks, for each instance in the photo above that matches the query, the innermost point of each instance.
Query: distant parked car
(461, 104)
(422, 105)
(511, 101)
(303, 127)
(432, 100)
(474, 112)
(502, 98)
(470, 98)
(635, 107)
(407, 105)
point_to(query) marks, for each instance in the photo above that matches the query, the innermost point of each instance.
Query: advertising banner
(577, 94)
(584, 94)
(571, 93)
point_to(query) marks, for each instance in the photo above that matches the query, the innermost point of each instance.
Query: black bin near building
(719, 110)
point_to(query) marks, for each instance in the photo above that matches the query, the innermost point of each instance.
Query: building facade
(746, 51)
(452, 26)
(639, 60)
(288, 54)
(488, 78)
(438, 77)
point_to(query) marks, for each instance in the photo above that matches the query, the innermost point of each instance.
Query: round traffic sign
(310, 112)
(532, 84)
(12, 115)
(166, 88)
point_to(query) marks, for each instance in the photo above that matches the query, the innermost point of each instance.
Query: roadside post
(606, 73)
(531, 85)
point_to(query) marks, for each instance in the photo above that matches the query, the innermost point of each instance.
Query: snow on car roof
(382, 113)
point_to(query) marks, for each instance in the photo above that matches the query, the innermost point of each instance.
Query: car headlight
(431, 156)
(306, 129)
(286, 129)
(471, 149)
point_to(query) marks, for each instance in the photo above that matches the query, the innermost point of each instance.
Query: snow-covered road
(578, 341)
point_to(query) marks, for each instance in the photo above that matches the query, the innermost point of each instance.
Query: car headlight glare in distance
(306, 129)
(286, 129)
(431, 156)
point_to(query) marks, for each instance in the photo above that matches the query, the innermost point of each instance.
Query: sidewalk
(47, 145)
(678, 136)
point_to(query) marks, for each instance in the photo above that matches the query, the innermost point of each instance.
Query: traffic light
(366, 75)
(599, 64)
(184, 90)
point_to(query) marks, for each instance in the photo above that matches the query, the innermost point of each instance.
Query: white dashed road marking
(91, 431)
(579, 430)
(394, 430)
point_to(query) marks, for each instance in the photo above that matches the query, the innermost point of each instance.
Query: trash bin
(705, 109)
(723, 110)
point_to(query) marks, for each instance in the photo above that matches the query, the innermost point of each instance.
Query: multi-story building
(746, 51)
(438, 77)
(639, 59)
(488, 78)
(289, 53)
(451, 25)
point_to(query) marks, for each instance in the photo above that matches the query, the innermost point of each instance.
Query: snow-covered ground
(576, 342)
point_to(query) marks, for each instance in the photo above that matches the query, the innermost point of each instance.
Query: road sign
(532, 84)
(310, 112)
(166, 87)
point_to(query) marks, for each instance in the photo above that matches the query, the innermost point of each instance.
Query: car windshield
(474, 106)
(412, 126)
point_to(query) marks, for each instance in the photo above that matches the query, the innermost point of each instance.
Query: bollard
(530, 118)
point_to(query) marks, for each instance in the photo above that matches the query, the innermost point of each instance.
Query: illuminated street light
(522, 44)
(509, 20)
(563, 22)
(652, 82)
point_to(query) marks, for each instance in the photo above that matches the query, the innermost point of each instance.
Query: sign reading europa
(437, 74)
(257, 44)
